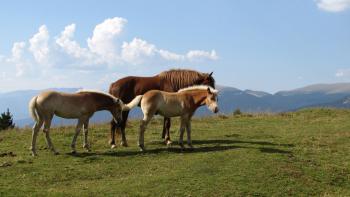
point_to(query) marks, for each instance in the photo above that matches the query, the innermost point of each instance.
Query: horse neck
(199, 97)
(103, 103)
(150, 83)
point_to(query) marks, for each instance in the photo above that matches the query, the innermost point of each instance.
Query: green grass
(304, 153)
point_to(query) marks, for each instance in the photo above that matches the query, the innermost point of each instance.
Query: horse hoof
(56, 153)
(142, 148)
(182, 146)
(34, 154)
(113, 146)
(168, 142)
(73, 152)
(125, 144)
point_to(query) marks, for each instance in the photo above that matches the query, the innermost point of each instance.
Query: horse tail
(136, 101)
(32, 108)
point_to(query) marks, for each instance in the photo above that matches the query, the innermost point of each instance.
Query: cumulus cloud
(17, 58)
(39, 46)
(104, 48)
(333, 5)
(72, 48)
(104, 36)
(17, 50)
(137, 50)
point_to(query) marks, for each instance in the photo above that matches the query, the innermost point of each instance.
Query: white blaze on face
(213, 106)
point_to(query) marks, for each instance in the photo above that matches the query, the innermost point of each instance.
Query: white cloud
(201, 55)
(104, 36)
(342, 73)
(137, 50)
(61, 60)
(17, 58)
(333, 5)
(170, 55)
(39, 46)
(72, 48)
(17, 50)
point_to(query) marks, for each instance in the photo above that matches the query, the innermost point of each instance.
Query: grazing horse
(81, 105)
(182, 103)
(170, 81)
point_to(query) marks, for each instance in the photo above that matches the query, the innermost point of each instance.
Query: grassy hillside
(301, 153)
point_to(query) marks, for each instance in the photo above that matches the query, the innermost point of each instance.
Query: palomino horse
(170, 81)
(182, 103)
(81, 105)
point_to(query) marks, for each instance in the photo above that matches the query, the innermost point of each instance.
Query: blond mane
(199, 87)
(98, 92)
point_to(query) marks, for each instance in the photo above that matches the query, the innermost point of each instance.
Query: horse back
(129, 87)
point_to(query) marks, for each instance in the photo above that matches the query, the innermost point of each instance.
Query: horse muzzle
(216, 110)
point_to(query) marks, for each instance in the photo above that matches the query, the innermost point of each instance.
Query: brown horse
(182, 103)
(81, 105)
(170, 81)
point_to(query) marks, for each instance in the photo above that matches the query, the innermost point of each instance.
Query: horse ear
(210, 74)
(209, 90)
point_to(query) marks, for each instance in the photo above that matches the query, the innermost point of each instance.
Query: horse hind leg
(47, 125)
(77, 131)
(182, 130)
(166, 131)
(35, 132)
(86, 144)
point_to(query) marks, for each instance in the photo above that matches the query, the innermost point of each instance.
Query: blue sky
(249, 44)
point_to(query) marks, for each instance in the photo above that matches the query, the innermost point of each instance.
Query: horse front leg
(166, 131)
(125, 115)
(143, 125)
(112, 135)
(188, 130)
(182, 130)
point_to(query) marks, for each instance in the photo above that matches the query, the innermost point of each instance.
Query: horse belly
(171, 110)
(70, 111)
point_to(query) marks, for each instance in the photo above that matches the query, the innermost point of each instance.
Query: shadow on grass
(224, 145)
(274, 150)
(157, 151)
(226, 141)
(219, 141)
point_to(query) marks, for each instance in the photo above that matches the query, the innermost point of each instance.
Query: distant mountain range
(318, 95)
